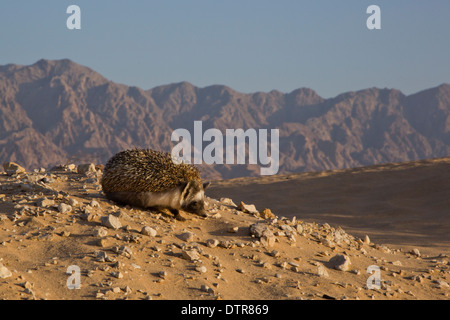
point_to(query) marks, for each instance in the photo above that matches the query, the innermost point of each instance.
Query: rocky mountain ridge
(55, 112)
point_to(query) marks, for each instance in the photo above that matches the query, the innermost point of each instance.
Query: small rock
(233, 229)
(440, 284)
(228, 202)
(212, 243)
(34, 222)
(87, 167)
(13, 168)
(267, 214)
(216, 216)
(73, 202)
(191, 255)
(397, 263)
(148, 231)
(366, 239)
(205, 288)
(124, 251)
(71, 167)
(26, 285)
(94, 204)
(340, 262)
(127, 290)
(100, 232)
(201, 269)
(415, 252)
(45, 203)
(65, 233)
(267, 241)
(117, 274)
(4, 272)
(275, 253)
(322, 272)
(186, 236)
(116, 290)
(100, 256)
(64, 208)
(111, 221)
(247, 208)
(101, 242)
(260, 229)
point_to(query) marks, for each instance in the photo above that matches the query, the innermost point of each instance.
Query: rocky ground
(54, 223)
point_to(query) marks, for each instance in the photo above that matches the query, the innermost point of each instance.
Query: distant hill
(58, 111)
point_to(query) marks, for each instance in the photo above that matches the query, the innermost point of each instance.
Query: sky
(248, 45)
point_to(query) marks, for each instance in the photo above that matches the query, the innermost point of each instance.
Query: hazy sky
(247, 45)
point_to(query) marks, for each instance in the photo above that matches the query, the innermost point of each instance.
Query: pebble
(100, 256)
(186, 236)
(100, 232)
(233, 229)
(73, 202)
(267, 214)
(148, 231)
(13, 168)
(94, 204)
(415, 252)
(267, 241)
(45, 203)
(117, 274)
(111, 221)
(439, 284)
(205, 288)
(64, 208)
(247, 208)
(86, 167)
(260, 229)
(322, 272)
(124, 251)
(201, 269)
(275, 253)
(228, 202)
(340, 262)
(4, 272)
(191, 255)
(212, 243)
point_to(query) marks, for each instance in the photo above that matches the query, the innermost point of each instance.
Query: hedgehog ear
(187, 189)
(206, 185)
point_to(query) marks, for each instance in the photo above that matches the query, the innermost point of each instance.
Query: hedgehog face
(193, 198)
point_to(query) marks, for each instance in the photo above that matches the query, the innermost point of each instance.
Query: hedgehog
(147, 178)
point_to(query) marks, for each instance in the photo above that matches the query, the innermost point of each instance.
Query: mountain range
(57, 111)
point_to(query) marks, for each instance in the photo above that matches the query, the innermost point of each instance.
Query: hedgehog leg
(177, 215)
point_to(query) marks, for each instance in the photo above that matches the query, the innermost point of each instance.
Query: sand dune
(402, 204)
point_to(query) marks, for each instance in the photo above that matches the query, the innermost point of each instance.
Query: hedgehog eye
(196, 205)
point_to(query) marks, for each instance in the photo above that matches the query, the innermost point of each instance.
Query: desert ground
(306, 236)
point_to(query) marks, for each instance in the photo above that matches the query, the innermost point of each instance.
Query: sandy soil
(400, 207)
(405, 204)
